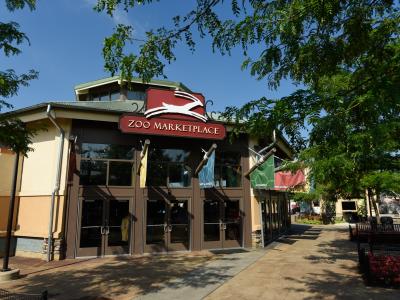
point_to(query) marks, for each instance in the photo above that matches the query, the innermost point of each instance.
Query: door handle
(107, 230)
(102, 230)
(169, 228)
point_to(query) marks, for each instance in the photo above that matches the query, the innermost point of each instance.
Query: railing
(380, 262)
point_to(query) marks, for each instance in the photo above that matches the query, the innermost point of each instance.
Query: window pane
(120, 173)
(157, 174)
(169, 155)
(136, 95)
(94, 151)
(179, 175)
(223, 158)
(228, 169)
(93, 172)
(228, 176)
(115, 95)
(104, 97)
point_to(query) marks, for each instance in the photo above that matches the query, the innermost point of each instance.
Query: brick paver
(313, 263)
(320, 263)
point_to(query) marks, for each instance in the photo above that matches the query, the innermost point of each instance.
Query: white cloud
(119, 16)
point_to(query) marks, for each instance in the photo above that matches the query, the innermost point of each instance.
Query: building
(83, 176)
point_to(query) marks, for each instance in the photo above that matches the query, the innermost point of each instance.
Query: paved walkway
(318, 262)
(312, 263)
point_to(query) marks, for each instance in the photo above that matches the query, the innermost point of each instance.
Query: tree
(13, 132)
(345, 123)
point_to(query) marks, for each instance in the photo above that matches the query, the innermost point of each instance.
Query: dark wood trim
(103, 132)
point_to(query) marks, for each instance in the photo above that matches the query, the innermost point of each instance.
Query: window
(106, 96)
(106, 164)
(228, 170)
(350, 205)
(168, 167)
(136, 95)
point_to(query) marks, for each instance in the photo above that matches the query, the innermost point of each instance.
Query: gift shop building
(122, 169)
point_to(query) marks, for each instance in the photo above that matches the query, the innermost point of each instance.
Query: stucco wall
(7, 159)
(33, 216)
(4, 207)
(39, 167)
(37, 174)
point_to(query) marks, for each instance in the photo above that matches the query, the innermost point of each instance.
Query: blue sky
(66, 40)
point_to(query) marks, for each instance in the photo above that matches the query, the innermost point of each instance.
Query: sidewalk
(319, 263)
(313, 263)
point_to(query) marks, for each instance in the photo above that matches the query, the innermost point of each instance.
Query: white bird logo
(179, 109)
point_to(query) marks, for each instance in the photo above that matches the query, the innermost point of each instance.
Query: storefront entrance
(104, 227)
(167, 225)
(222, 225)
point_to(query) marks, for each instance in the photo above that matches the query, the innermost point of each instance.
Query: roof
(166, 83)
(117, 106)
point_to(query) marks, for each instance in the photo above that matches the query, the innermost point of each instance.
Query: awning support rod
(260, 161)
(205, 158)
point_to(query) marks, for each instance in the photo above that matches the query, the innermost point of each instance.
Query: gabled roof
(83, 87)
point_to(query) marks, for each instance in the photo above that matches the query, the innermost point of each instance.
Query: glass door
(105, 226)
(118, 227)
(221, 224)
(167, 225)
(232, 224)
(156, 226)
(212, 225)
(178, 235)
(90, 235)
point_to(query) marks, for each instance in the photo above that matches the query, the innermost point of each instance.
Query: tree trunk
(373, 201)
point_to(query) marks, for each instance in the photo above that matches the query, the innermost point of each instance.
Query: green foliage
(13, 133)
(309, 221)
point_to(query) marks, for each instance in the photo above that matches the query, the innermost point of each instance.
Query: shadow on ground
(110, 278)
(342, 279)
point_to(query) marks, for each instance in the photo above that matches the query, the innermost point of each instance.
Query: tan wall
(33, 216)
(7, 159)
(36, 183)
(39, 167)
(255, 207)
(4, 207)
(255, 214)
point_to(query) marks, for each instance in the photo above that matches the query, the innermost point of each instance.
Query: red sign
(171, 127)
(176, 104)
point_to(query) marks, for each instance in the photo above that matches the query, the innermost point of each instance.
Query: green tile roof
(102, 81)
